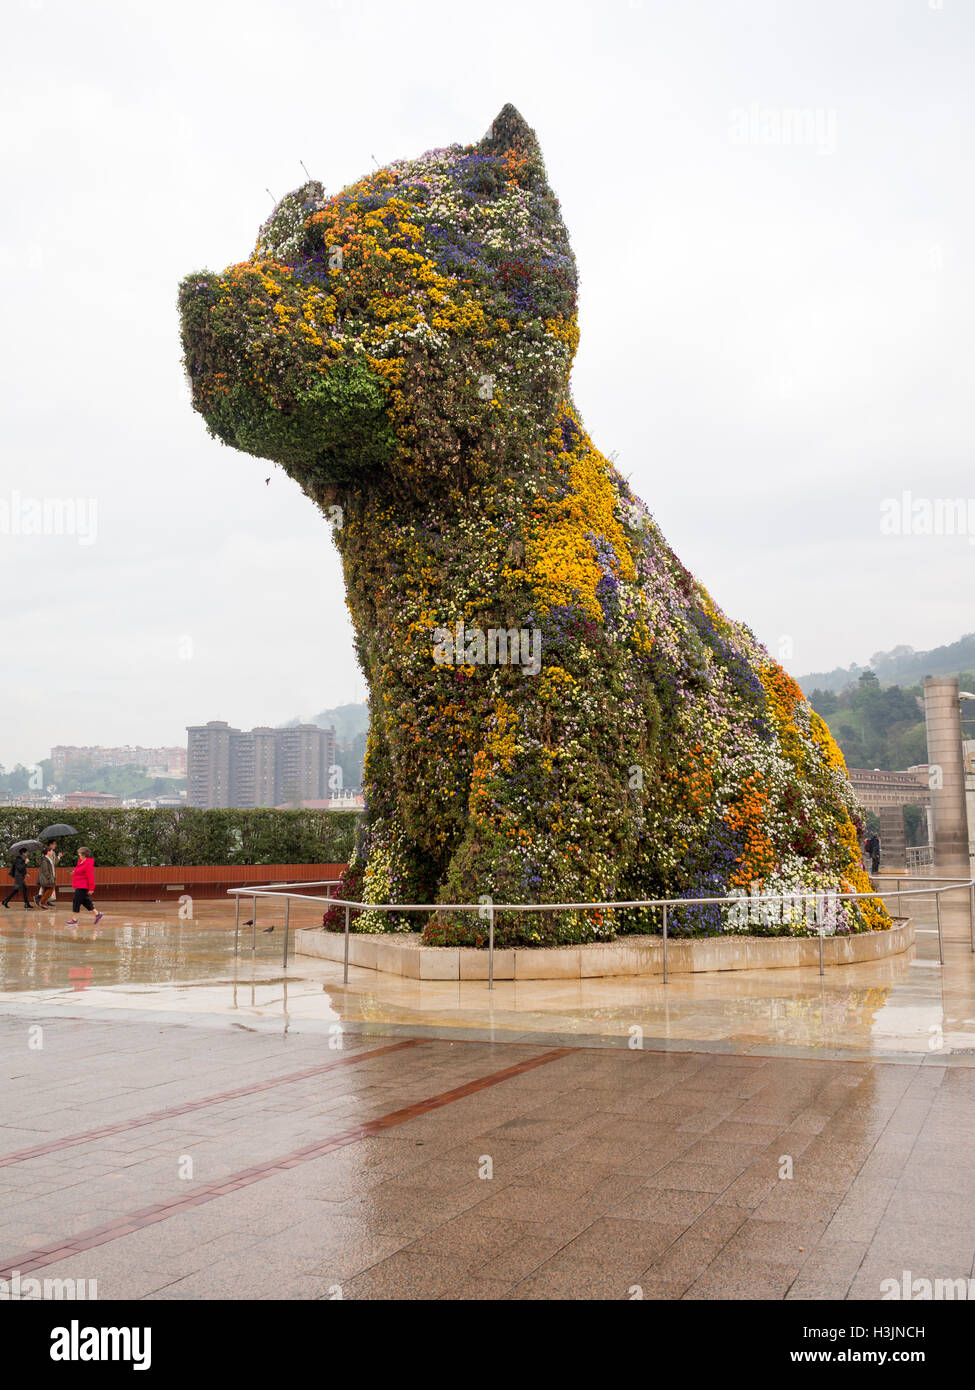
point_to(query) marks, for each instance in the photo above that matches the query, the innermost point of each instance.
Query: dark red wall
(199, 880)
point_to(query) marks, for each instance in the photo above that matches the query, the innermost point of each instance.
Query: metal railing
(949, 884)
(274, 890)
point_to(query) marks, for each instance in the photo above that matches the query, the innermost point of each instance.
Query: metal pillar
(491, 946)
(345, 973)
(941, 940)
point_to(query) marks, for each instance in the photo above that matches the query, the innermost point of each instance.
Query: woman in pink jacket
(83, 883)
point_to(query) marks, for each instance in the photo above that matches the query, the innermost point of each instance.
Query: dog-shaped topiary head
(559, 712)
(396, 328)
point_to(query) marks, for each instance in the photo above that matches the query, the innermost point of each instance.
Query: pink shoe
(72, 923)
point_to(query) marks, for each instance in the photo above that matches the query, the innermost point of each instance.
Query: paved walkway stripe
(148, 1216)
(52, 1145)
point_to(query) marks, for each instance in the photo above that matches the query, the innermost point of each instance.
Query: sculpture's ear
(510, 131)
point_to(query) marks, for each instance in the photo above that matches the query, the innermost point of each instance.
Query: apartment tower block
(259, 767)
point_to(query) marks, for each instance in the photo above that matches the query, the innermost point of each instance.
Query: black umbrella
(25, 845)
(54, 832)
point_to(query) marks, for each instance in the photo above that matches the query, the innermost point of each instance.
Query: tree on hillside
(875, 725)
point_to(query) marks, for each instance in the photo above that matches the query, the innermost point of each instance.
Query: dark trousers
(82, 898)
(875, 864)
(17, 888)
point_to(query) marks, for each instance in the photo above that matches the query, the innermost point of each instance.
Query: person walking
(83, 884)
(18, 872)
(872, 848)
(47, 877)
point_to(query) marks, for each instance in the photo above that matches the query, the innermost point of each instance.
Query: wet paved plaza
(180, 1124)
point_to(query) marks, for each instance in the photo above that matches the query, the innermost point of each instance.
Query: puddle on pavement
(132, 960)
(39, 953)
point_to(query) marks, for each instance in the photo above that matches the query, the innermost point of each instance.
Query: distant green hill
(902, 666)
(877, 715)
(126, 781)
(348, 721)
(875, 725)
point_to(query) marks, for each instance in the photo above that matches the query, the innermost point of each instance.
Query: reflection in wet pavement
(40, 955)
(143, 956)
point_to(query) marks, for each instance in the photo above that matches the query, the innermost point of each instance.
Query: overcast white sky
(775, 336)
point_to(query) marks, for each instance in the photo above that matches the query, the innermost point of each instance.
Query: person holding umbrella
(18, 872)
(49, 836)
(83, 884)
(47, 876)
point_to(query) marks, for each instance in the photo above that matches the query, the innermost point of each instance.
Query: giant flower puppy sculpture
(559, 711)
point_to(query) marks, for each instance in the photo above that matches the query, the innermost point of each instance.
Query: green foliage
(875, 725)
(824, 702)
(126, 781)
(17, 782)
(907, 747)
(915, 825)
(123, 782)
(343, 415)
(130, 838)
(335, 418)
(456, 933)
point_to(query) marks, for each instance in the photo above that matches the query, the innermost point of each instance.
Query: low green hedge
(126, 838)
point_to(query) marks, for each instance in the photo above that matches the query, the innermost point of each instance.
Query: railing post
(941, 941)
(822, 968)
(971, 911)
(491, 946)
(236, 921)
(345, 973)
(665, 943)
(287, 919)
(254, 926)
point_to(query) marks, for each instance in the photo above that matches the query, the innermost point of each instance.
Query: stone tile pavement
(168, 1161)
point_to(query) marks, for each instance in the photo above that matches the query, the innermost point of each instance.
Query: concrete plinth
(404, 954)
